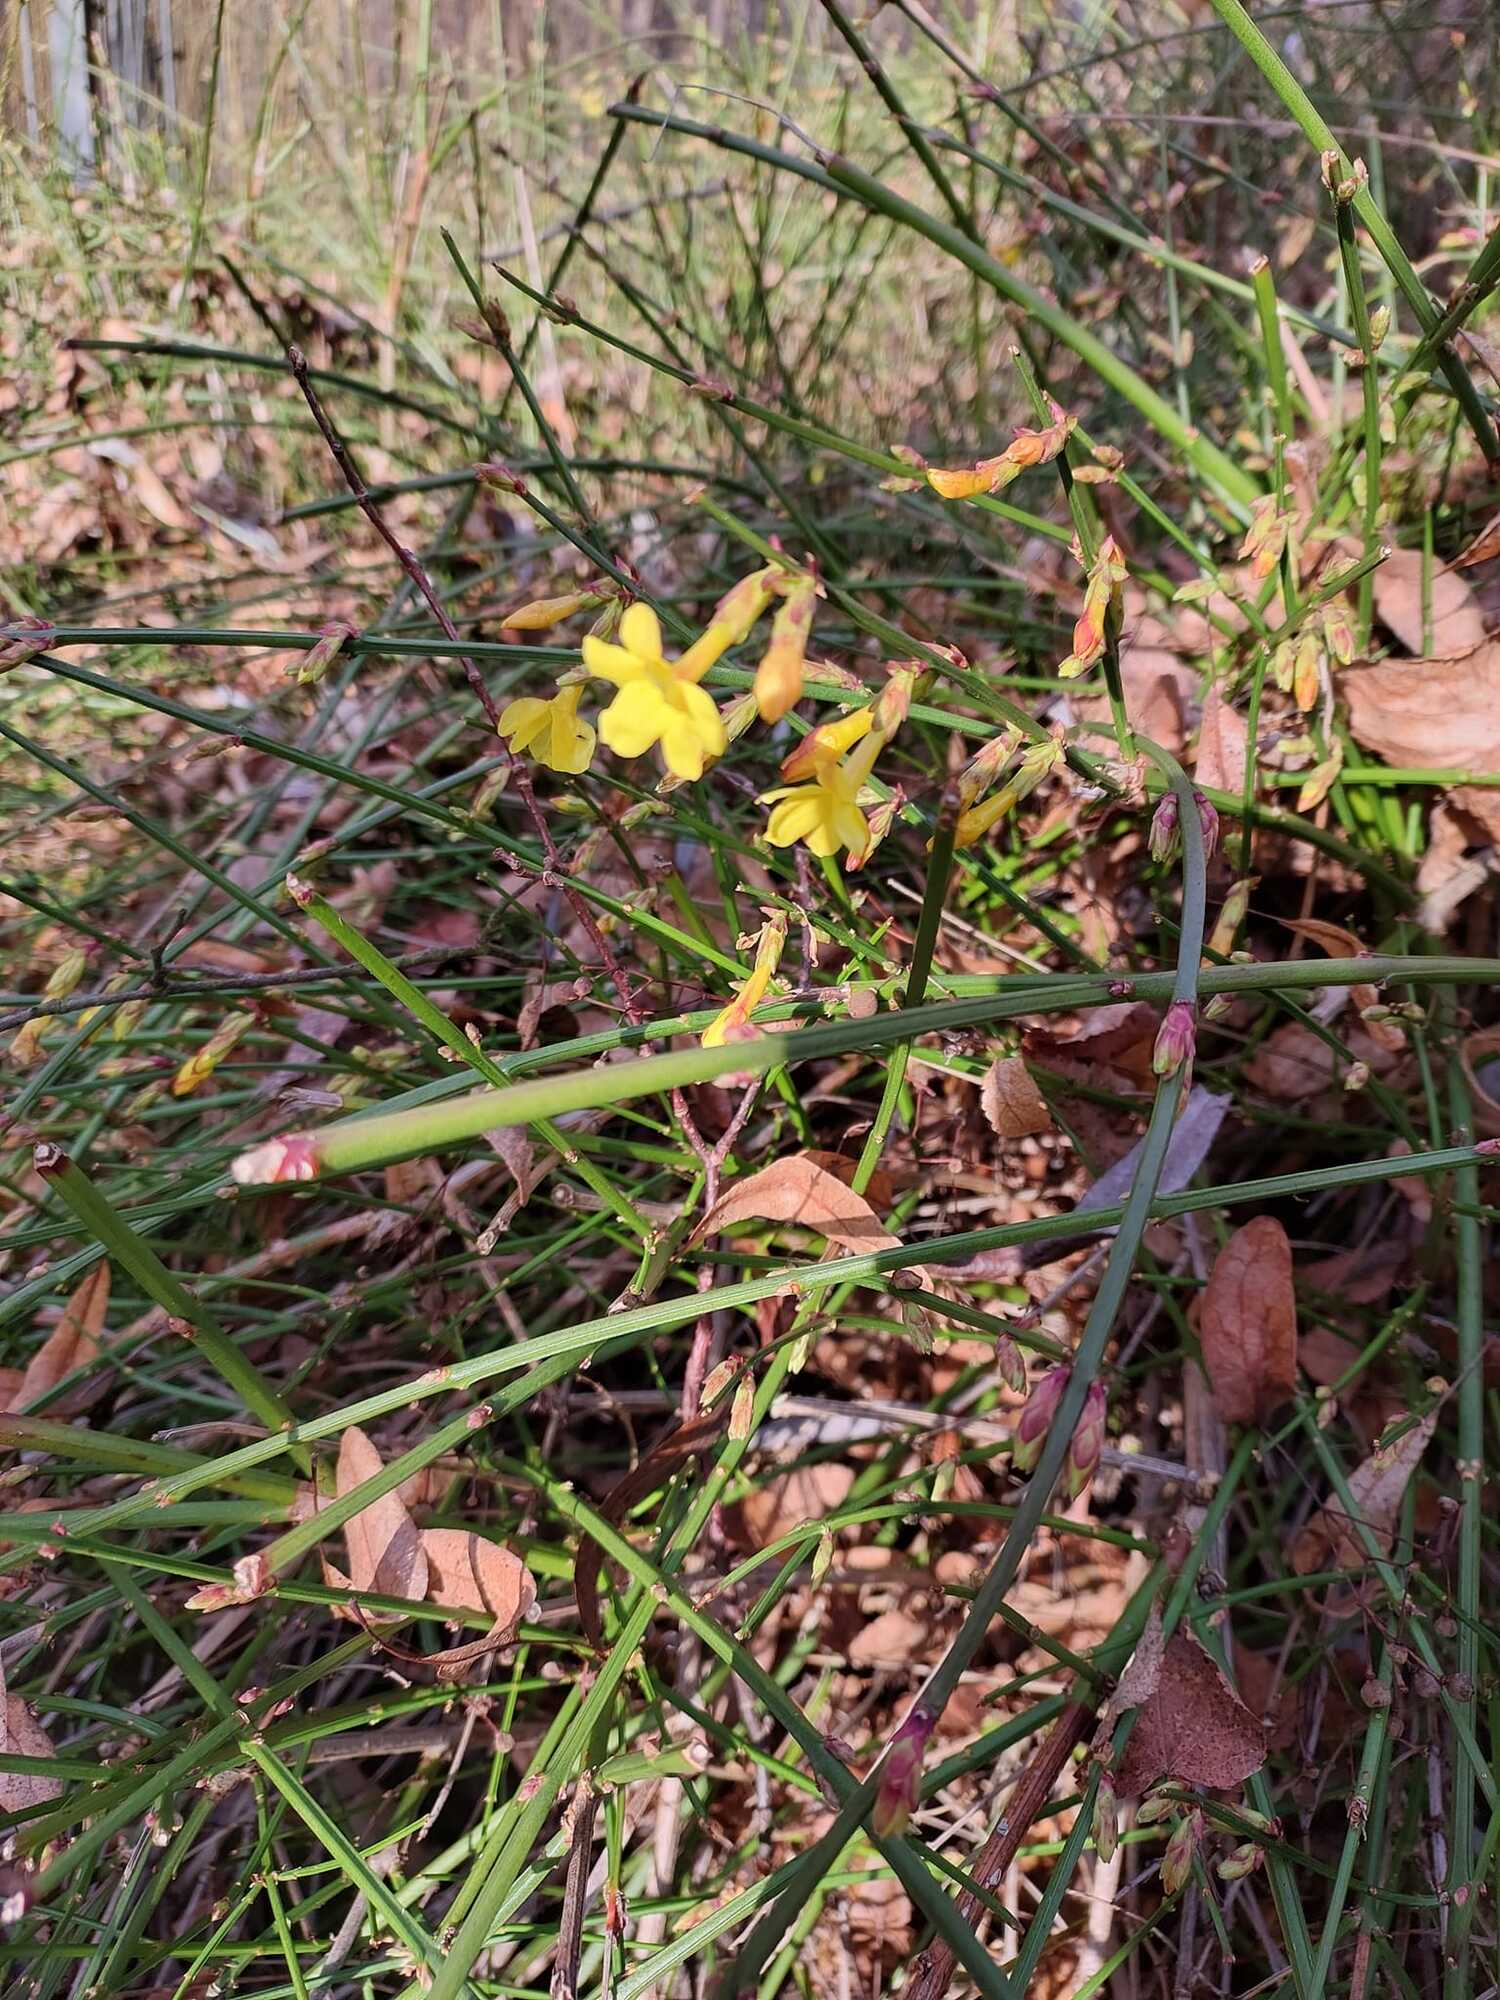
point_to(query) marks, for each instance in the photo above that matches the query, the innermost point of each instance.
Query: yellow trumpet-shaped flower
(659, 702)
(732, 1023)
(549, 731)
(825, 815)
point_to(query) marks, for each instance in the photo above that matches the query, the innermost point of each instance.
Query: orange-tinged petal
(964, 482)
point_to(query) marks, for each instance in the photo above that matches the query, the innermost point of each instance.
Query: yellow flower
(658, 701)
(824, 815)
(732, 1023)
(827, 743)
(550, 730)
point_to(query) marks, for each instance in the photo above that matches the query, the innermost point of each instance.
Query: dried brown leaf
(797, 1190)
(1012, 1103)
(1443, 713)
(805, 1494)
(21, 1735)
(1457, 622)
(386, 1556)
(73, 1343)
(1247, 1322)
(1193, 1728)
(1221, 746)
(1377, 1488)
(468, 1572)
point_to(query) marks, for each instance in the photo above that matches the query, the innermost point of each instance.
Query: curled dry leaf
(806, 1493)
(72, 1344)
(797, 1190)
(1192, 1727)
(1444, 713)
(1247, 1322)
(1332, 1538)
(386, 1556)
(1339, 943)
(1456, 622)
(1012, 1103)
(469, 1572)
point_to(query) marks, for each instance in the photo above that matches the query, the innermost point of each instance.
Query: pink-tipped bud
(1088, 1441)
(901, 1774)
(1177, 1862)
(1176, 1040)
(1208, 819)
(1164, 829)
(1035, 1420)
(320, 656)
(294, 1158)
(1010, 1364)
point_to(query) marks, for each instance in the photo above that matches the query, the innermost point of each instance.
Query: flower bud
(986, 765)
(315, 662)
(1243, 1861)
(1035, 1420)
(1208, 819)
(1106, 1819)
(778, 678)
(1164, 827)
(542, 613)
(1175, 1040)
(1177, 1862)
(1087, 1442)
(893, 704)
(901, 1774)
(1010, 1364)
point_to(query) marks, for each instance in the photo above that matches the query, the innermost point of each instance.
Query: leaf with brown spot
(72, 1344)
(1439, 712)
(1012, 1103)
(797, 1190)
(386, 1556)
(1221, 746)
(1457, 624)
(1247, 1323)
(1331, 1539)
(1193, 1728)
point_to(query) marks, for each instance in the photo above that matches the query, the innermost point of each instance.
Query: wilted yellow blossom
(1106, 576)
(732, 1023)
(550, 731)
(991, 475)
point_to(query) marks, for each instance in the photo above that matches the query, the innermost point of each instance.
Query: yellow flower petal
(705, 718)
(851, 827)
(682, 747)
(634, 719)
(521, 722)
(570, 747)
(796, 817)
(640, 632)
(611, 663)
